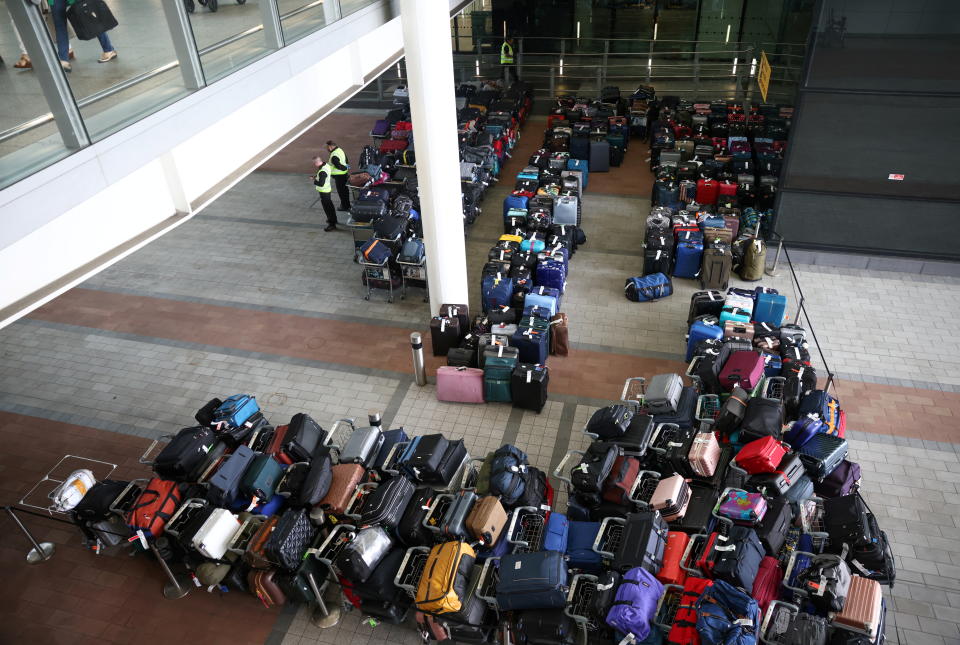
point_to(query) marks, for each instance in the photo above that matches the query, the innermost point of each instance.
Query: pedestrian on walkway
(340, 168)
(322, 180)
(506, 59)
(59, 9)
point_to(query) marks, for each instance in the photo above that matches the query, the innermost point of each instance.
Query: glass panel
(229, 35)
(23, 149)
(676, 24)
(720, 21)
(349, 6)
(301, 17)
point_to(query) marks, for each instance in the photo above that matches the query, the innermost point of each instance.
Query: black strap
(622, 602)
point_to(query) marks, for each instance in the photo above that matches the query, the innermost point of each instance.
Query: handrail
(116, 88)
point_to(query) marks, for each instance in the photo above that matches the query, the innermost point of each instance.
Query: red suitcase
(393, 146)
(766, 586)
(671, 573)
(616, 488)
(743, 369)
(762, 456)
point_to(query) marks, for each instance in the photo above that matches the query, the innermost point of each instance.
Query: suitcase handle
(607, 521)
(333, 431)
(558, 471)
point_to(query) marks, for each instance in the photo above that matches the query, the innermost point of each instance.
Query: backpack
(506, 473)
(727, 616)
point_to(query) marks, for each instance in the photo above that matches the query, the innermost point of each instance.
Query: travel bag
(732, 412)
(701, 330)
(487, 520)
(663, 393)
(157, 502)
(444, 584)
(184, 458)
(819, 404)
(344, 481)
(742, 368)
(423, 455)
(290, 538)
(533, 346)
(532, 581)
(642, 544)
(807, 629)
(362, 553)
(772, 530)
(544, 627)
(802, 430)
(460, 384)
(263, 584)
(826, 581)
(769, 308)
(507, 466)
(648, 288)
(580, 540)
(445, 334)
(762, 418)
(737, 557)
(556, 533)
(610, 422)
(822, 454)
(224, 485)
(635, 604)
(727, 616)
(305, 484)
(387, 503)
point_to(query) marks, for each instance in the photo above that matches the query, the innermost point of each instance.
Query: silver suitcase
(454, 524)
(663, 393)
(362, 446)
(669, 157)
(363, 553)
(215, 535)
(565, 211)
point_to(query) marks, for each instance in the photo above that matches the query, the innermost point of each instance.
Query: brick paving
(278, 312)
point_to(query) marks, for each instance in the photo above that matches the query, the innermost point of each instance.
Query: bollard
(772, 272)
(416, 346)
(374, 419)
(177, 587)
(41, 551)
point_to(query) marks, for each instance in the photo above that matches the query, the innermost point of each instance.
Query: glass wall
(70, 92)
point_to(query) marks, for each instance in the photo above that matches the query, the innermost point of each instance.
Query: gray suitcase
(663, 393)
(565, 211)
(669, 157)
(599, 156)
(454, 524)
(362, 447)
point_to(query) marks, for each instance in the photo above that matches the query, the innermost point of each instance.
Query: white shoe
(106, 57)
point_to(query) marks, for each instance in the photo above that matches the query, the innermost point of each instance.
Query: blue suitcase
(551, 274)
(803, 430)
(225, 483)
(699, 331)
(532, 581)
(583, 167)
(821, 454)
(770, 308)
(533, 245)
(533, 345)
(390, 439)
(536, 312)
(547, 300)
(688, 256)
(772, 364)
(735, 314)
(496, 292)
(556, 533)
(580, 553)
(236, 410)
(514, 201)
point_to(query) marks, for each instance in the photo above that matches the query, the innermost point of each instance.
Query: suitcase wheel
(212, 5)
(189, 5)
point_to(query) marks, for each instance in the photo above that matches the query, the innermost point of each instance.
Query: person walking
(506, 59)
(340, 169)
(59, 9)
(322, 180)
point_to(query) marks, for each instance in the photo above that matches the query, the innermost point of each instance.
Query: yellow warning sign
(763, 75)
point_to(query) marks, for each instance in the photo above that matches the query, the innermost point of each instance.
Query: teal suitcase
(261, 478)
(496, 376)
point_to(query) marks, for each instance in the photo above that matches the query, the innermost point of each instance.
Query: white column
(426, 40)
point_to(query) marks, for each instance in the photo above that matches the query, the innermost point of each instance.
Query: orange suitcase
(671, 573)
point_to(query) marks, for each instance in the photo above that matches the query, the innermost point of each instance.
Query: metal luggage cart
(183, 515)
(125, 500)
(464, 472)
(362, 233)
(433, 520)
(773, 387)
(811, 522)
(526, 529)
(708, 409)
(339, 536)
(663, 434)
(390, 465)
(248, 528)
(376, 276)
(355, 505)
(667, 607)
(411, 569)
(643, 488)
(691, 374)
(558, 471)
(777, 610)
(579, 606)
(634, 394)
(695, 546)
(487, 584)
(414, 275)
(609, 537)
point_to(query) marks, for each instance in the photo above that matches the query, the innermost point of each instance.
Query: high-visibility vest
(506, 54)
(342, 157)
(325, 186)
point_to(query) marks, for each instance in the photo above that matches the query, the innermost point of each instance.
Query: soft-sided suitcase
(362, 446)
(599, 156)
(302, 437)
(619, 483)
(460, 312)
(184, 457)
(671, 573)
(844, 480)
(738, 565)
(685, 410)
(766, 586)
(744, 369)
(411, 531)
(772, 531)
(532, 581)
(444, 334)
(423, 456)
(610, 422)
(580, 539)
(453, 457)
(528, 386)
(487, 520)
(459, 384)
(390, 439)
(261, 478)
(225, 484)
(544, 627)
(236, 410)
(344, 482)
(387, 503)
(704, 454)
(532, 345)
(559, 335)
(762, 418)
(863, 609)
(594, 467)
(444, 584)
(663, 393)
(642, 543)
(822, 454)
(214, 536)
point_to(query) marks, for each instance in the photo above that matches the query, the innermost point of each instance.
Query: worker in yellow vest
(506, 59)
(339, 168)
(324, 183)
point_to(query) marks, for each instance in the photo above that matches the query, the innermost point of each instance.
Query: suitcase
(777, 483)
(671, 573)
(762, 455)
(739, 561)
(671, 497)
(594, 467)
(619, 483)
(261, 478)
(532, 581)
(224, 485)
(357, 560)
(264, 586)
(772, 531)
(453, 457)
(556, 533)
(528, 386)
(708, 302)
(704, 454)
(305, 484)
(216, 533)
(454, 525)
(423, 456)
(444, 334)
(344, 482)
(743, 507)
(288, 540)
(685, 410)
(744, 369)
(822, 454)
(688, 258)
(410, 530)
(699, 516)
(844, 480)
(742, 331)
(487, 520)
(642, 543)
(862, 612)
(770, 308)
(460, 384)
(716, 266)
(184, 458)
(444, 585)
(663, 393)
(302, 437)
(460, 312)
(599, 156)
(766, 586)
(362, 446)
(533, 346)
(677, 445)
(390, 439)
(762, 418)
(387, 503)
(559, 335)
(235, 411)
(566, 211)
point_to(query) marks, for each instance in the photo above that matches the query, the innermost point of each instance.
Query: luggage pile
(679, 523)
(714, 153)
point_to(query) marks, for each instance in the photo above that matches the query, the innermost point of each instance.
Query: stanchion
(416, 347)
(41, 551)
(772, 272)
(175, 588)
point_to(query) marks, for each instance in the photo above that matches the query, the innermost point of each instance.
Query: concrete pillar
(429, 58)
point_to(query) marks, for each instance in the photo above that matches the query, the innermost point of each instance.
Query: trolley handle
(666, 622)
(488, 565)
(286, 473)
(193, 502)
(333, 431)
(153, 444)
(433, 509)
(658, 431)
(398, 579)
(390, 465)
(773, 387)
(458, 474)
(788, 573)
(572, 594)
(705, 402)
(115, 507)
(322, 552)
(772, 609)
(642, 476)
(637, 401)
(558, 471)
(234, 546)
(606, 522)
(514, 518)
(688, 559)
(353, 508)
(472, 467)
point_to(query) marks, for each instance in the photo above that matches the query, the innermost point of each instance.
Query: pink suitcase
(862, 609)
(704, 454)
(460, 384)
(671, 497)
(742, 368)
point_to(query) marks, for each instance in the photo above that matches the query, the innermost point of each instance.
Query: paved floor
(278, 311)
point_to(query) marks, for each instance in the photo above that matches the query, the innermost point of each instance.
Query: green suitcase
(261, 478)
(496, 377)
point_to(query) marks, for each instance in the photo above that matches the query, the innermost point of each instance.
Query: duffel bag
(648, 288)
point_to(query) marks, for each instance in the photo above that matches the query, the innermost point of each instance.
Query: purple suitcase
(460, 384)
(743, 369)
(381, 128)
(743, 507)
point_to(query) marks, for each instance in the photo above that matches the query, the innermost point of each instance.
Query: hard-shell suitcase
(361, 555)
(688, 258)
(671, 573)
(302, 437)
(698, 518)
(822, 454)
(346, 478)
(777, 483)
(487, 520)
(460, 384)
(642, 543)
(743, 507)
(224, 485)
(663, 393)
(744, 369)
(704, 454)
(762, 455)
(671, 497)
(703, 303)
(566, 211)
(444, 584)
(701, 330)
(215, 535)
(770, 308)
(863, 610)
(532, 581)
(454, 524)
(362, 446)
(387, 503)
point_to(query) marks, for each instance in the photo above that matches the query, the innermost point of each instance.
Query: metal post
(553, 83)
(380, 88)
(331, 11)
(696, 68)
(796, 319)
(46, 66)
(173, 589)
(272, 31)
(416, 347)
(606, 53)
(599, 79)
(650, 63)
(41, 551)
(772, 272)
(519, 58)
(184, 45)
(739, 78)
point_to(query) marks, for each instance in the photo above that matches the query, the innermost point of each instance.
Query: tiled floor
(278, 311)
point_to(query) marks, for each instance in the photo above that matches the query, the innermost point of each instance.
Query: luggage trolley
(811, 521)
(411, 569)
(355, 505)
(187, 511)
(362, 232)
(434, 518)
(526, 529)
(487, 584)
(328, 550)
(776, 621)
(695, 547)
(667, 607)
(580, 607)
(376, 276)
(634, 394)
(643, 488)
(708, 409)
(800, 592)
(609, 537)
(414, 275)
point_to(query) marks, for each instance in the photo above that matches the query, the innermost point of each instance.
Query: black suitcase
(426, 454)
(580, 147)
(205, 415)
(450, 462)
(739, 565)
(304, 437)
(762, 418)
(410, 530)
(379, 587)
(387, 503)
(772, 531)
(685, 410)
(642, 543)
(184, 457)
(678, 452)
(775, 484)
(657, 260)
(596, 464)
(390, 613)
(368, 207)
(528, 386)
(599, 156)
(534, 489)
(545, 627)
(699, 516)
(462, 357)
(444, 334)
(703, 303)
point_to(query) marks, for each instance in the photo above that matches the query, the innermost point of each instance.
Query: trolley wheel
(366, 297)
(241, 1)
(426, 299)
(189, 5)
(212, 5)
(390, 300)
